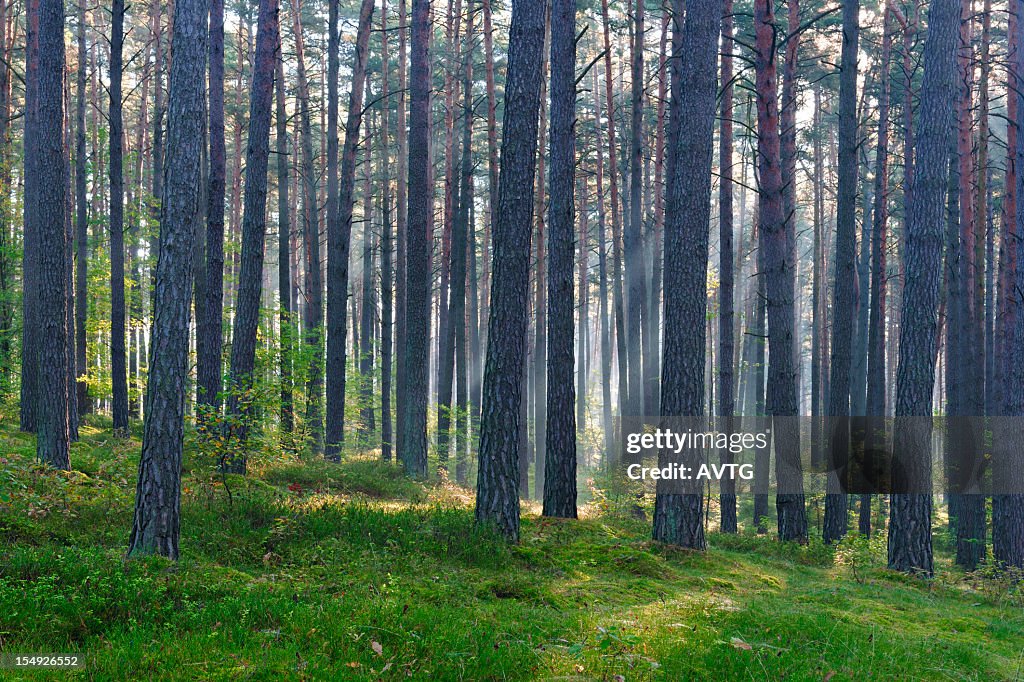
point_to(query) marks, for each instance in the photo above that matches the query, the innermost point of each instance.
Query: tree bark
(910, 543)
(155, 528)
(560, 437)
(679, 510)
(497, 499)
(118, 368)
(418, 251)
(254, 222)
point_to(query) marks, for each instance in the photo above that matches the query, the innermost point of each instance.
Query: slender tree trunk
(457, 303)
(910, 545)
(155, 528)
(836, 511)
(726, 352)
(386, 246)
(366, 326)
(679, 507)
(250, 283)
(209, 324)
(118, 368)
(81, 216)
(284, 275)
(401, 232)
(634, 249)
(779, 282)
(497, 499)
(540, 327)
(607, 426)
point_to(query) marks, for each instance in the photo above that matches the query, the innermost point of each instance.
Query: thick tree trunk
(155, 528)
(49, 167)
(910, 542)
(250, 283)
(560, 437)
(634, 248)
(497, 499)
(418, 251)
(679, 507)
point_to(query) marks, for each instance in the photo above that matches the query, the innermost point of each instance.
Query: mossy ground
(351, 571)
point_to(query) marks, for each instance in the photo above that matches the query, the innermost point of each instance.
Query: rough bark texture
(118, 357)
(779, 283)
(30, 237)
(418, 251)
(679, 515)
(284, 275)
(497, 499)
(81, 218)
(910, 541)
(254, 223)
(209, 325)
(560, 437)
(52, 408)
(726, 350)
(836, 514)
(158, 493)
(387, 286)
(633, 241)
(339, 222)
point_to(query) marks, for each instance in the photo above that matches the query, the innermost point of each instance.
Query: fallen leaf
(738, 643)
(377, 648)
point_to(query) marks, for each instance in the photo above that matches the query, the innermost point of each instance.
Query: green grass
(325, 572)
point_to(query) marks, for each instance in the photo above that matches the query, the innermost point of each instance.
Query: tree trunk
(726, 352)
(250, 282)
(155, 528)
(284, 275)
(779, 284)
(209, 325)
(81, 218)
(118, 369)
(386, 246)
(634, 249)
(679, 507)
(418, 251)
(497, 499)
(910, 542)
(560, 436)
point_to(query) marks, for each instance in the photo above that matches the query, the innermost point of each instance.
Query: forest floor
(351, 571)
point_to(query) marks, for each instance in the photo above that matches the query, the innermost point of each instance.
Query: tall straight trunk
(835, 524)
(652, 333)
(779, 285)
(787, 126)
(492, 174)
(284, 275)
(81, 215)
(634, 249)
(401, 231)
(118, 357)
(1008, 510)
(910, 545)
(314, 290)
(583, 324)
(497, 499)
(452, 30)
(339, 222)
(726, 351)
(418, 250)
(209, 313)
(607, 426)
(387, 285)
(679, 508)
(983, 237)
(254, 222)
(368, 300)
(155, 528)
(53, 436)
(613, 181)
(457, 301)
(819, 367)
(540, 327)
(560, 436)
(876, 324)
